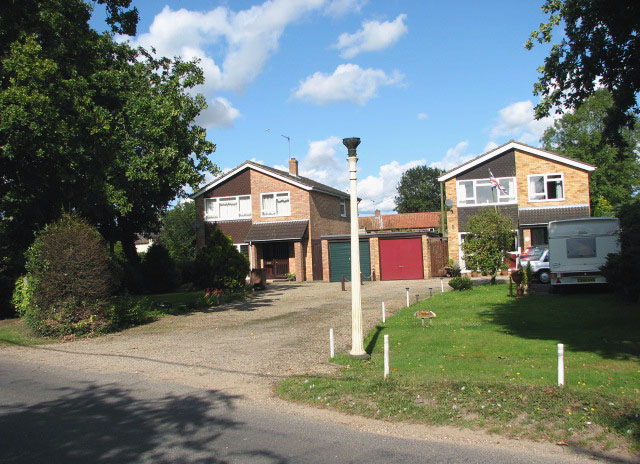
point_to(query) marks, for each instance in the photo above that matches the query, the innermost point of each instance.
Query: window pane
(228, 208)
(536, 188)
(282, 204)
(465, 193)
(245, 206)
(210, 208)
(268, 205)
(582, 247)
(484, 194)
(554, 190)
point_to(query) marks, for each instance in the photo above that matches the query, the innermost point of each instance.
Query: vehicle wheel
(543, 277)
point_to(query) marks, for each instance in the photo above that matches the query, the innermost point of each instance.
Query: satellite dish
(448, 203)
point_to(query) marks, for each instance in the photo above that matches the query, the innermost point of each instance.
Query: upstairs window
(343, 208)
(227, 208)
(275, 204)
(481, 192)
(546, 187)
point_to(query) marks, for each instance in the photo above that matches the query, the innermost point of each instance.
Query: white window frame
(545, 180)
(275, 195)
(343, 208)
(514, 197)
(216, 215)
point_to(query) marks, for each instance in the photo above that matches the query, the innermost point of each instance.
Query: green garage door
(340, 260)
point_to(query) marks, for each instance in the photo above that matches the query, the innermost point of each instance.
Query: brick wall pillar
(325, 261)
(298, 251)
(526, 238)
(374, 252)
(253, 257)
(426, 257)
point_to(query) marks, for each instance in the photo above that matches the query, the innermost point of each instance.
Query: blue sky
(420, 82)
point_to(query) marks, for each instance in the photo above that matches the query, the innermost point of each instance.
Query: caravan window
(582, 247)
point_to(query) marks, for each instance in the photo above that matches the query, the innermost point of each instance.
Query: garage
(401, 258)
(340, 260)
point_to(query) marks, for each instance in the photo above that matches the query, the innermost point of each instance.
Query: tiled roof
(401, 221)
(534, 216)
(237, 230)
(305, 182)
(277, 230)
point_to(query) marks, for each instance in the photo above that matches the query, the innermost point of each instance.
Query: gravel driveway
(242, 348)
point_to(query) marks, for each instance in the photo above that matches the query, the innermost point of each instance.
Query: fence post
(386, 356)
(560, 364)
(408, 297)
(331, 344)
(342, 280)
(441, 285)
(384, 314)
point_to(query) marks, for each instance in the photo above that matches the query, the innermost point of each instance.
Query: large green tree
(178, 234)
(419, 190)
(90, 125)
(600, 47)
(580, 135)
(490, 236)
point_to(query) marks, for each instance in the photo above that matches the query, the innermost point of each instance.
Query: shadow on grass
(596, 322)
(99, 424)
(374, 339)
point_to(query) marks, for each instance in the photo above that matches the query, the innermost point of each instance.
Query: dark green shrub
(128, 311)
(159, 271)
(219, 264)
(68, 281)
(461, 283)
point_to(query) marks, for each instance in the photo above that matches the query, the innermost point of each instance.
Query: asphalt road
(59, 415)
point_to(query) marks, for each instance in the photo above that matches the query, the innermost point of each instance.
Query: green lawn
(489, 361)
(16, 332)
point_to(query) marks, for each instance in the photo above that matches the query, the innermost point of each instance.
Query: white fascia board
(518, 146)
(243, 166)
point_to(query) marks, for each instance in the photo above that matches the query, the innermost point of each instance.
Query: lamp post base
(364, 356)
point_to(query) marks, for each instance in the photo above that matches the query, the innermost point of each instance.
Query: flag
(496, 184)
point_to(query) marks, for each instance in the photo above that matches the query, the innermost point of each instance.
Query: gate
(439, 252)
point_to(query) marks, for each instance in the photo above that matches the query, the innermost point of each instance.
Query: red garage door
(401, 259)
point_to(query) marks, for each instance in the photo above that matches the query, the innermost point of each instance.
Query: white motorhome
(579, 247)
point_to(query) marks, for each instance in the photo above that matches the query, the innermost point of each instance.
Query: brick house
(275, 217)
(539, 186)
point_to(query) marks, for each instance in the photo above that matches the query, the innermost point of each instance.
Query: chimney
(377, 212)
(293, 167)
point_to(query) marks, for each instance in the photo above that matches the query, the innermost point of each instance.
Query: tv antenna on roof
(288, 140)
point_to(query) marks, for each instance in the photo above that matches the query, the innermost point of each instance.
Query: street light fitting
(351, 143)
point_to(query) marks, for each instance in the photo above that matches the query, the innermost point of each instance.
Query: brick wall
(261, 183)
(374, 251)
(325, 260)
(452, 219)
(576, 181)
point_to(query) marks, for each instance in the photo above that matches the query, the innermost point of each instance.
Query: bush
(219, 264)
(68, 281)
(159, 271)
(461, 283)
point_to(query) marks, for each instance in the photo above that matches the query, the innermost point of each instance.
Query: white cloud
(422, 116)
(455, 156)
(219, 113)
(339, 8)
(518, 121)
(349, 82)
(490, 146)
(373, 36)
(379, 192)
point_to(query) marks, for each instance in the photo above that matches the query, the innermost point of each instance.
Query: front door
(276, 259)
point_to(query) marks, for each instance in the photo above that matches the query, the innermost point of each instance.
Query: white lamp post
(357, 347)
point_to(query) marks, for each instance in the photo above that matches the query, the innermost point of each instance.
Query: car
(538, 257)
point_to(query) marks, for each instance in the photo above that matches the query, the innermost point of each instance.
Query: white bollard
(408, 297)
(384, 314)
(560, 364)
(386, 356)
(331, 344)
(441, 285)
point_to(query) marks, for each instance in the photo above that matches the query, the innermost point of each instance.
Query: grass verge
(16, 332)
(489, 362)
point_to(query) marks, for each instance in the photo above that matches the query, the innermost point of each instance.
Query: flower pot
(504, 272)
(474, 274)
(516, 277)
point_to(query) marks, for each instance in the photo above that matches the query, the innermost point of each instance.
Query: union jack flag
(496, 184)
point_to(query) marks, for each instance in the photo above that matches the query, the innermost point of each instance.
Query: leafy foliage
(461, 283)
(579, 135)
(68, 280)
(90, 125)
(599, 48)
(622, 269)
(219, 264)
(419, 190)
(159, 271)
(179, 237)
(490, 236)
